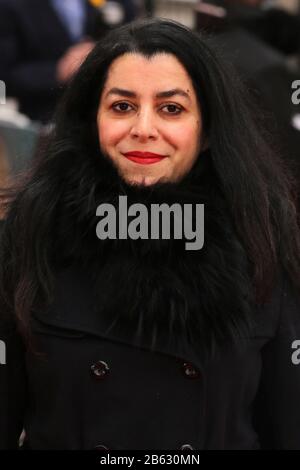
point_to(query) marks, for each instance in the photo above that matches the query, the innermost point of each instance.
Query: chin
(143, 180)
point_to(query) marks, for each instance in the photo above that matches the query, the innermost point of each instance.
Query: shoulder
(280, 309)
(281, 312)
(290, 305)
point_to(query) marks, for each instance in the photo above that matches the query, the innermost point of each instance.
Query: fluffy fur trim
(156, 289)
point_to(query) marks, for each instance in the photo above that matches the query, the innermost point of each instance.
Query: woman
(133, 343)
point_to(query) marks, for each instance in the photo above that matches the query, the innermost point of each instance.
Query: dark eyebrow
(161, 94)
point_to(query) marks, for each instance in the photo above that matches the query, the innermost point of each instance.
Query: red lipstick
(144, 158)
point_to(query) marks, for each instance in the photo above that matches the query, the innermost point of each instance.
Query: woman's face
(149, 105)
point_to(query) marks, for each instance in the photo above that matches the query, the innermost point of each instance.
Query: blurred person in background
(131, 9)
(119, 12)
(42, 43)
(273, 25)
(257, 40)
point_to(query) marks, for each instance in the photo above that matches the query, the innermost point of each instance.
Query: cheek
(188, 139)
(110, 132)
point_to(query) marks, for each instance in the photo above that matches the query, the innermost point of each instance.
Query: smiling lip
(144, 158)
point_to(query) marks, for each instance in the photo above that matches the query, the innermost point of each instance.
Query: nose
(144, 126)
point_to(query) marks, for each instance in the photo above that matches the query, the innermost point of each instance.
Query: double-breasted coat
(90, 389)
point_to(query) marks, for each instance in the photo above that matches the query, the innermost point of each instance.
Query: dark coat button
(190, 371)
(101, 447)
(100, 370)
(186, 447)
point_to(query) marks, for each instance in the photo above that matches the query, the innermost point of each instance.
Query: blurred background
(42, 44)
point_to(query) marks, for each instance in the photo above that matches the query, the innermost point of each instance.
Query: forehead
(160, 71)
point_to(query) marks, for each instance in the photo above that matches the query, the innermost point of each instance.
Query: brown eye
(172, 109)
(122, 107)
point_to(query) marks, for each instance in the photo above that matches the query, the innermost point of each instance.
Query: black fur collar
(155, 290)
